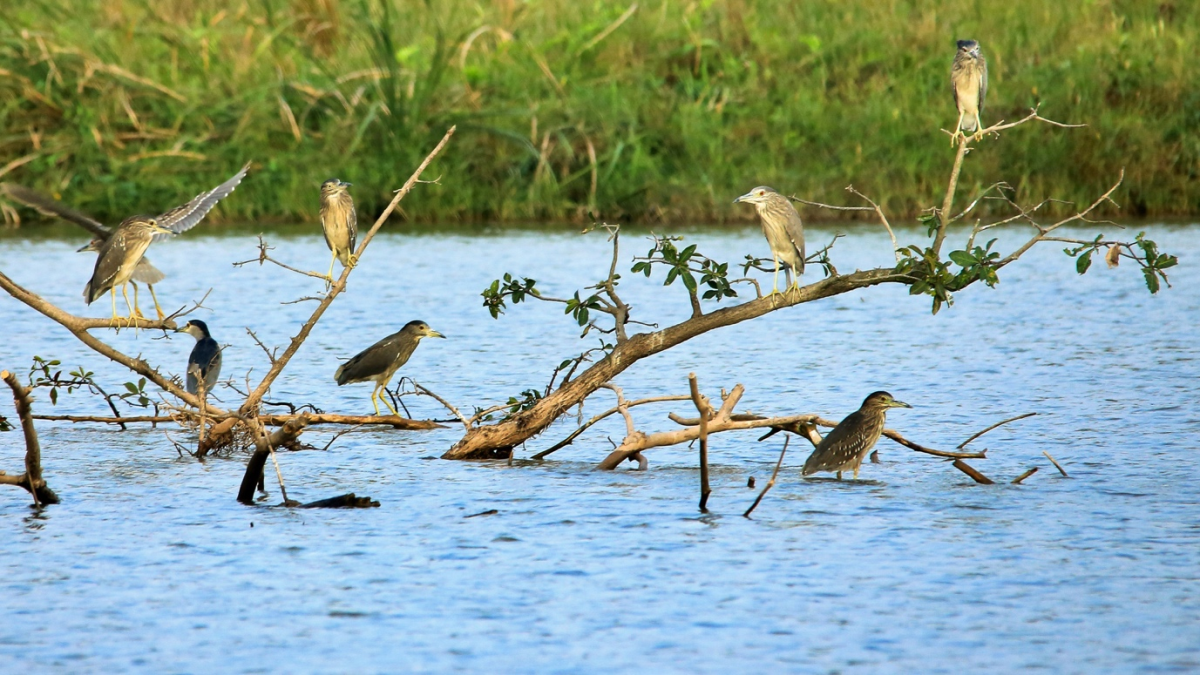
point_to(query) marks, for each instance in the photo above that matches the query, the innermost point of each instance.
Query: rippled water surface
(150, 565)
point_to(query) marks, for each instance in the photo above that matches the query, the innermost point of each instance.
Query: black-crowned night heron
(784, 232)
(968, 79)
(204, 363)
(340, 222)
(381, 360)
(119, 257)
(844, 448)
(177, 220)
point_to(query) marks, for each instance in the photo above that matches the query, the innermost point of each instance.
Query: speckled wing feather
(108, 264)
(795, 232)
(841, 445)
(47, 205)
(183, 218)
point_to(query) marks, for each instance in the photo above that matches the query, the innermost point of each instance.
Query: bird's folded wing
(183, 218)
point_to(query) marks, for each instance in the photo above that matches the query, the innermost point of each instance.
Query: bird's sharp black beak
(345, 184)
(83, 248)
(743, 197)
(434, 333)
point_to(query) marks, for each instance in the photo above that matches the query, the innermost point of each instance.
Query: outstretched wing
(183, 218)
(47, 205)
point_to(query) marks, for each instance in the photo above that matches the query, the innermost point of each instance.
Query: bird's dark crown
(198, 324)
(968, 45)
(878, 397)
(416, 326)
(333, 185)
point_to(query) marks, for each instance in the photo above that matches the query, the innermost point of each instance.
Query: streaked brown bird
(340, 223)
(969, 80)
(177, 220)
(784, 232)
(119, 256)
(844, 448)
(381, 360)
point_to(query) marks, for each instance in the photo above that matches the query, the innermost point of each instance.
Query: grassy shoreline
(565, 109)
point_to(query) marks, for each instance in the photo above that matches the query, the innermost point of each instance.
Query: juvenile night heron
(177, 220)
(784, 232)
(204, 363)
(381, 360)
(969, 80)
(340, 223)
(844, 448)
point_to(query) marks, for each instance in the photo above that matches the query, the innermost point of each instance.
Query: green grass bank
(656, 111)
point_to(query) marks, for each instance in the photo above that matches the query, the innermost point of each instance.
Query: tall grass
(569, 107)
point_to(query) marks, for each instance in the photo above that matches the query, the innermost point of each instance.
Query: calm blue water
(150, 565)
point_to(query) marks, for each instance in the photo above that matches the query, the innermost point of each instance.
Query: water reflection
(149, 564)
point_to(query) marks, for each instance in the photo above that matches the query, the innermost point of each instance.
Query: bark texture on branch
(31, 480)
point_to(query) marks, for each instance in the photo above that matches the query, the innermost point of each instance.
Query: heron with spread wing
(122, 251)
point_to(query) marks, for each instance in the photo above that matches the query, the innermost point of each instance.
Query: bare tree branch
(252, 401)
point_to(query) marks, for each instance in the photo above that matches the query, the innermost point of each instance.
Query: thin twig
(1027, 474)
(1056, 464)
(771, 483)
(997, 424)
(425, 392)
(584, 427)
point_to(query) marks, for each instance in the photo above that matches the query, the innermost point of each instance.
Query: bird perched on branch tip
(339, 222)
(783, 229)
(122, 250)
(844, 448)
(381, 360)
(969, 81)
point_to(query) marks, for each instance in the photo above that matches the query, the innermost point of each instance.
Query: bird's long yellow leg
(978, 128)
(158, 309)
(957, 130)
(113, 292)
(351, 259)
(332, 260)
(839, 475)
(856, 473)
(387, 402)
(374, 402)
(132, 318)
(775, 285)
(136, 308)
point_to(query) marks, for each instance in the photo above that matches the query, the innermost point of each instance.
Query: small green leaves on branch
(579, 308)
(1141, 250)
(978, 264)
(527, 400)
(686, 265)
(930, 276)
(509, 287)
